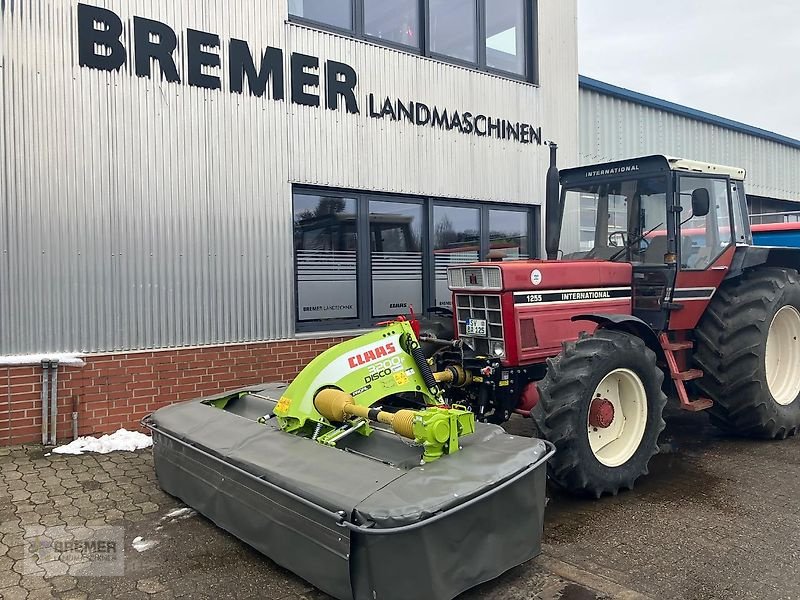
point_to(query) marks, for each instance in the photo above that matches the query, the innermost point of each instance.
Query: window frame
(531, 33)
(365, 320)
(732, 235)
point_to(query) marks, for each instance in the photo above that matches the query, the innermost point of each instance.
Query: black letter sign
(198, 58)
(160, 50)
(109, 36)
(241, 64)
(300, 79)
(345, 87)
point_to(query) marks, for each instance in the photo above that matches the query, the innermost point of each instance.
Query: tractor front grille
(483, 308)
(483, 278)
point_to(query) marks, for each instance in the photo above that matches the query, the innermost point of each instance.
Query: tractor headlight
(497, 349)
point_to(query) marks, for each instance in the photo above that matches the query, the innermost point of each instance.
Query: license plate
(476, 327)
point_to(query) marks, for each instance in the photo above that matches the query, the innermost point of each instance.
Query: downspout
(53, 401)
(49, 395)
(45, 396)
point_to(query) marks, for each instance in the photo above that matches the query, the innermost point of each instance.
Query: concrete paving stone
(54, 568)
(27, 566)
(62, 583)
(42, 594)
(15, 484)
(150, 586)
(33, 582)
(15, 593)
(34, 531)
(20, 495)
(18, 552)
(24, 506)
(29, 518)
(9, 578)
(148, 507)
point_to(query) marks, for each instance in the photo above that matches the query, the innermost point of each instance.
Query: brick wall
(117, 390)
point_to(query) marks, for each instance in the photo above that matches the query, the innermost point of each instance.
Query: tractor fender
(628, 324)
(748, 258)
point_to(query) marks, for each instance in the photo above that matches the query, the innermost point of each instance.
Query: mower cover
(365, 519)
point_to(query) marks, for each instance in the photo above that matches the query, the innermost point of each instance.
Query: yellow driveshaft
(336, 406)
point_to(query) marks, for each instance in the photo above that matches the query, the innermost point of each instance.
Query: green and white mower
(360, 476)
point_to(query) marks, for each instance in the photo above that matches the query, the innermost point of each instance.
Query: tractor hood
(531, 275)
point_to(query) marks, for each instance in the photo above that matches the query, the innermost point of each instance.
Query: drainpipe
(45, 396)
(74, 418)
(49, 396)
(53, 401)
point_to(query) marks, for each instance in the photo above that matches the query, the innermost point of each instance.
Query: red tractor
(652, 289)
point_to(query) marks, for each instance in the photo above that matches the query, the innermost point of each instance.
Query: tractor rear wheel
(748, 346)
(601, 404)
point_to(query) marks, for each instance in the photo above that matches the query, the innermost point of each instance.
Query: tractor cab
(675, 221)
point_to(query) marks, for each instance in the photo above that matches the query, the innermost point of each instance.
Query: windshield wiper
(635, 240)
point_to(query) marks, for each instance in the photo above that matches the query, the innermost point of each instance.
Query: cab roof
(696, 166)
(649, 164)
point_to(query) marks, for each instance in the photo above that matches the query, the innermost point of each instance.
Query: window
(326, 252)
(453, 26)
(611, 214)
(489, 35)
(395, 231)
(704, 238)
(456, 240)
(397, 21)
(508, 235)
(362, 258)
(505, 35)
(336, 13)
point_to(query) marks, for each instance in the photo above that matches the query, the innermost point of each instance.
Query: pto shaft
(336, 406)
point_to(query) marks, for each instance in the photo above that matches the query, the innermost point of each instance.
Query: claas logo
(371, 355)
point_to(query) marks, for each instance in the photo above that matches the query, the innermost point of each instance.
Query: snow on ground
(179, 513)
(122, 440)
(141, 545)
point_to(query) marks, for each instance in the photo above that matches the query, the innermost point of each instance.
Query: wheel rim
(616, 443)
(782, 358)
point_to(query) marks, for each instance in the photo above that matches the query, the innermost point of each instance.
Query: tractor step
(689, 375)
(677, 346)
(697, 405)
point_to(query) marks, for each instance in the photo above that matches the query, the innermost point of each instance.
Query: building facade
(616, 123)
(200, 196)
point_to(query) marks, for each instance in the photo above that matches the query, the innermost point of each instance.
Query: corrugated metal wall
(140, 214)
(612, 129)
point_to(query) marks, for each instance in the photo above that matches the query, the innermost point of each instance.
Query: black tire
(731, 349)
(566, 395)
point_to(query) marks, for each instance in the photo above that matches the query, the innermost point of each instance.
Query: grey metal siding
(144, 214)
(612, 128)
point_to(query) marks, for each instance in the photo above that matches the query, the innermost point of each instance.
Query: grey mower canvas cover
(372, 495)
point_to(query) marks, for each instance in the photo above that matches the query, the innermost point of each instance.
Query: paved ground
(716, 519)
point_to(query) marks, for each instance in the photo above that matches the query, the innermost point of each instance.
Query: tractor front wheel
(601, 404)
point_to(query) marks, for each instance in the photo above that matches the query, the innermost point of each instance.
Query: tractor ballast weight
(360, 497)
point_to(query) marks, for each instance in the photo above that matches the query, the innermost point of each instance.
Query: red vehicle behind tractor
(653, 289)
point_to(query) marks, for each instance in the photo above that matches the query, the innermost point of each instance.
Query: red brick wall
(117, 390)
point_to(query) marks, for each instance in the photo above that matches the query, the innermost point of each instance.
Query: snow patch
(122, 440)
(68, 360)
(140, 545)
(180, 513)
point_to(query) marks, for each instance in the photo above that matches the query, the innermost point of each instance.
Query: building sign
(100, 46)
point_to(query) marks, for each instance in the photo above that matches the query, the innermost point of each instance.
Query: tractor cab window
(620, 220)
(704, 238)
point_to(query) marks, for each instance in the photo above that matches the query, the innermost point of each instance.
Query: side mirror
(701, 201)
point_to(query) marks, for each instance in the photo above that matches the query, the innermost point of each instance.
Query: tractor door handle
(723, 268)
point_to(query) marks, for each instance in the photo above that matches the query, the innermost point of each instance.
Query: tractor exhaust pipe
(553, 209)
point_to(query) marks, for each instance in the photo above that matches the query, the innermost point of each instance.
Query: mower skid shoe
(366, 524)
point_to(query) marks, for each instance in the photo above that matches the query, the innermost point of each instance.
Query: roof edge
(608, 89)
